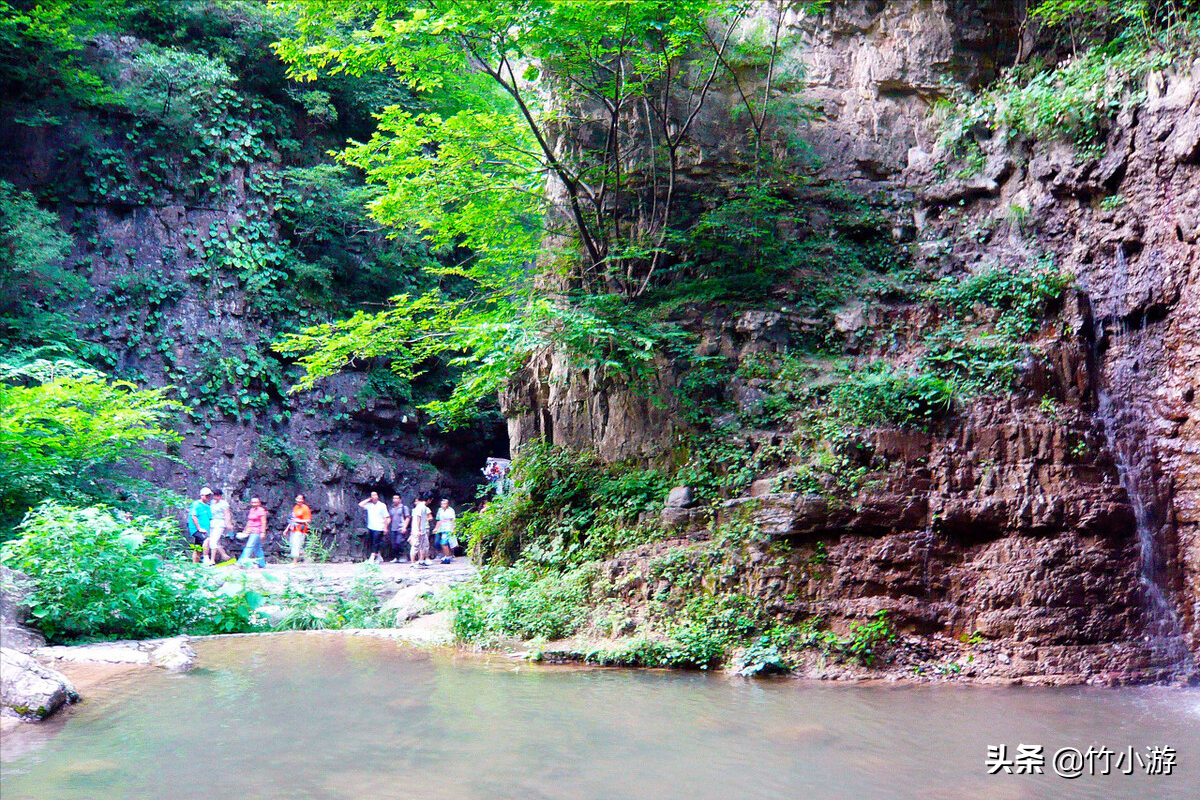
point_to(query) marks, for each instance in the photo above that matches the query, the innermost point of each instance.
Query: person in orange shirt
(298, 527)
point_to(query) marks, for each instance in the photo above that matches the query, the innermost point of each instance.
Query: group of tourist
(394, 533)
(396, 529)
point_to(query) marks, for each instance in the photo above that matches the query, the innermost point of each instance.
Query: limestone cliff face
(1043, 528)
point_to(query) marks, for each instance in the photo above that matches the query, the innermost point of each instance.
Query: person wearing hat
(199, 519)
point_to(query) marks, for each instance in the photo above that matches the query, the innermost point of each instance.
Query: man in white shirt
(377, 525)
(220, 522)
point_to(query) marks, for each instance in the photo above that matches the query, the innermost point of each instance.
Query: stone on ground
(30, 689)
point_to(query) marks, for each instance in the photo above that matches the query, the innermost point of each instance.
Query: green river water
(333, 717)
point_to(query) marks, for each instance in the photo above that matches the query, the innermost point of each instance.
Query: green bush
(96, 575)
(883, 395)
(67, 431)
(32, 247)
(868, 639)
(570, 504)
(521, 602)
(1023, 297)
(972, 363)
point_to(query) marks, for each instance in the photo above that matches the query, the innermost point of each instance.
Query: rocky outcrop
(1121, 224)
(1040, 530)
(15, 634)
(29, 689)
(173, 655)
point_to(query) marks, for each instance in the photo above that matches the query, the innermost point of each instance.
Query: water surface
(333, 717)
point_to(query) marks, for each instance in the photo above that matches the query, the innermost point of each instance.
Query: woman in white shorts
(221, 521)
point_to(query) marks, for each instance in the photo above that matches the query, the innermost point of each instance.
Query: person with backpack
(199, 518)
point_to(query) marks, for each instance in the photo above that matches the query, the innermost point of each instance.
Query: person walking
(220, 520)
(199, 517)
(418, 539)
(399, 518)
(256, 531)
(377, 525)
(445, 531)
(297, 528)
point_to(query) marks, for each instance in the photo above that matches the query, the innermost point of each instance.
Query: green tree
(32, 277)
(545, 132)
(68, 431)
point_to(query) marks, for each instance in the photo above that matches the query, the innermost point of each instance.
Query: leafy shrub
(569, 502)
(361, 608)
(522, 602)
(883, 395)
(1023, 297)
(971, 364)
(66, 430)
(174, 85)
(867, 640)
(31, 273)
(97, 576)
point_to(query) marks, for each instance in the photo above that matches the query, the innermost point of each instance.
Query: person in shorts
(220, 520)
(418, 539)
(444, 532)
(199, 517)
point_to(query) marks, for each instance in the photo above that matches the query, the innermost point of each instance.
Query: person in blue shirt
(199, 518)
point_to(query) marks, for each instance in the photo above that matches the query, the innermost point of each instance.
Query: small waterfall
(1134, 462)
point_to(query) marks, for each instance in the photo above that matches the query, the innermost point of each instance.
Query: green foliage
(522, 602)
(98, 576)
(567, 508)
(883, 395)
(174, 85)
(70, 431)
(868, 639)
(41, 46)
(361, 608)
(971, 363)
(1077, 99)
(33, 281)
(1024, 298)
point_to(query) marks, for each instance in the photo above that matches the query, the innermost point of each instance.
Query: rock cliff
(1059, 525)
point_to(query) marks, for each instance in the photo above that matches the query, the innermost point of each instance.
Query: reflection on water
(335, 717)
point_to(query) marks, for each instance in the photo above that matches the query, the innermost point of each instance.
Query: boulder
(175, 655)
(31, 690)
(14, 614)
(410, 602)
(429, 629)
(676, 518)
(681, 497)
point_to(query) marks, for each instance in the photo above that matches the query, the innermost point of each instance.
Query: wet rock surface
(29, 689)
